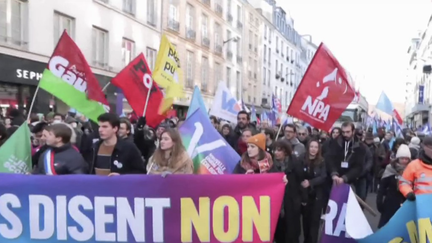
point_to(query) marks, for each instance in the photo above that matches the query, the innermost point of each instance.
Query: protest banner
(342, 202)
(411, 223)
(137, 208)
(209, 151)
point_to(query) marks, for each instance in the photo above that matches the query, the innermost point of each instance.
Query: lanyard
(346, 150)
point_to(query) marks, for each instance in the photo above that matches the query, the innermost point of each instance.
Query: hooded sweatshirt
(298, 148)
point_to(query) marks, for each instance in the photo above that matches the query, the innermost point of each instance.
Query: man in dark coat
(346, 157)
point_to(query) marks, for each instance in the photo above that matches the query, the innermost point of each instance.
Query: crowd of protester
(312, 160)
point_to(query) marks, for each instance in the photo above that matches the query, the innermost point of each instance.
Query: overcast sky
(369, 37)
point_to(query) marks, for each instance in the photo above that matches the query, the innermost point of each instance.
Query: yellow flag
(168, 73)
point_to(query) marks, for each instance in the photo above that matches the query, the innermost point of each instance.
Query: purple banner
(334, 227)
(119, 102)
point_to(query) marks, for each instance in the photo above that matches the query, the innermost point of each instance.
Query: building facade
(419, 79)
(281, 51)
(208, 37)
(109, 33)
(252, 59)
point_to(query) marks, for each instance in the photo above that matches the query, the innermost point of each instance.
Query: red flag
(397, 116)
(324, 93)
(135, 80)
(80, 70)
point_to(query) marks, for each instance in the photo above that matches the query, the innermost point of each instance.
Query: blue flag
(209, 151)
(196, 102)
(384, 104)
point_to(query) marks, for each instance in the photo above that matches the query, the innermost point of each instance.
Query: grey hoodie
(389, 171)
(297, 147)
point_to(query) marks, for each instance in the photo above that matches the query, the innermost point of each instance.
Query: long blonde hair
(177, 151)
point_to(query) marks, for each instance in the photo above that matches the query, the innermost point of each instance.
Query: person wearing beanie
(414, 147)
(389, 198)
(255, 160)
(417, 176)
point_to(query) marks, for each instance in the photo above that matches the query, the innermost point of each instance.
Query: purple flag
(334, 227)
(119, 102)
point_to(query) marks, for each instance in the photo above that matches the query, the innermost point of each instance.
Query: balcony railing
(205, 42)
(173, 25)
(190, 34)
(189, 83)
(239, 25)
(206, 2)
(218, 49)
(229, 17)
(219, 9)
(239, 59)
(229, 54)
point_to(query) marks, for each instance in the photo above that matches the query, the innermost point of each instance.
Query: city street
(373, 221)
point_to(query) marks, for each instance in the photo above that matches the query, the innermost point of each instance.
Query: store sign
(421, 94)
(20, 70)
(28, 74)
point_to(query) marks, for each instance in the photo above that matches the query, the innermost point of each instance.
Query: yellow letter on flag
(168, 74)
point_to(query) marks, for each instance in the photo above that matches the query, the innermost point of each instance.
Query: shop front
(19, 78)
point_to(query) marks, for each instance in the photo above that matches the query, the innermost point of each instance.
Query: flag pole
(106, 86)
(32, 103)
(146, 104)
(279, 130)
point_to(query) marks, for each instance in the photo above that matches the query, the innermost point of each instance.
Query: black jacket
(369, 162)
(236, 135)
(316, 175)
(145, 145)
(355, 158)
(67, 160)
(294, 196)
(125, 153)
(389, 198)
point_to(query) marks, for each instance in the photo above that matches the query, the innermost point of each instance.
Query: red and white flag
(324, 93)
(397, 117)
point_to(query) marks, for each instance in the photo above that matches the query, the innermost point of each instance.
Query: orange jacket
(417, 178)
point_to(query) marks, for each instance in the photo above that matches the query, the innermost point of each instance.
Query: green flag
(15, 153)
(69, 78)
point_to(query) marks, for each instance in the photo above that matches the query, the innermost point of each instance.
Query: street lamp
(234, 39)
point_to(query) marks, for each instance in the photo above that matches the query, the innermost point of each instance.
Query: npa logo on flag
(324, 92)
(225, 106)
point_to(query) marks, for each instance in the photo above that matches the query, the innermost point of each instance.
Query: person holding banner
(60, 158)
(389, 198)
(288, 228)
(315, 175)
(255, 160)
(346, 156)
(417, 177)
(171, 156)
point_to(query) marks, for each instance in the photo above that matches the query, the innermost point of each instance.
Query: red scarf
(263, 166)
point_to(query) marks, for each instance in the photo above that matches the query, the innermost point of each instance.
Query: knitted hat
(415, 141)
(259, 140)
(403, 152)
